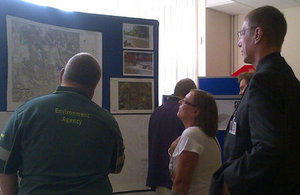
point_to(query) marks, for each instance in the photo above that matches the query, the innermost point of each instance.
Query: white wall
(291, 45)
(218, 43)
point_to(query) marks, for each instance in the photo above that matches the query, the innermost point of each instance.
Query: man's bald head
(82, 69)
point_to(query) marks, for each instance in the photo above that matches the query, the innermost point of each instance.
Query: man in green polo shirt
(62, 143)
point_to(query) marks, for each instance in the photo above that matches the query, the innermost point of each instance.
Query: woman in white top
(196, 154)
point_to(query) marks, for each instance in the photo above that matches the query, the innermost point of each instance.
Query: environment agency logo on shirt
(2, 136)
(72, 117)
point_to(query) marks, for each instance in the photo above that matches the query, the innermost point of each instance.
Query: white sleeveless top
(193, 139)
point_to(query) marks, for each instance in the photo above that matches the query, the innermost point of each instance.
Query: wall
(218, 43)
(291, 45)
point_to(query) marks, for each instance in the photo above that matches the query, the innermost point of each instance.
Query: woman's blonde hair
(208, 116)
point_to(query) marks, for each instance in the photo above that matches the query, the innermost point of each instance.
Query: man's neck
(263, 52)
(86, 90)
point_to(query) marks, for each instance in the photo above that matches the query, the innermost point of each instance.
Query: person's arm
(224, 189)
(9, 184)
(266, 120)
(10, 157)
(187, 162)
(173, 146)
(118, 158)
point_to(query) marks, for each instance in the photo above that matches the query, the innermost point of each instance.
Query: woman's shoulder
(194, 130)
(196, 133)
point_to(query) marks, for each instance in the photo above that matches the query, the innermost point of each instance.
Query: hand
(173, 146)
(225, 190)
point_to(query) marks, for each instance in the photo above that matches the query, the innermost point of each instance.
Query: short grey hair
(83, 69)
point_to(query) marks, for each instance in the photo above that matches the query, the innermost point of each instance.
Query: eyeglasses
(241, 33)
(188, 103)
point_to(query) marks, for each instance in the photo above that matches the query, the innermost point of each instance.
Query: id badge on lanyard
(232, 127)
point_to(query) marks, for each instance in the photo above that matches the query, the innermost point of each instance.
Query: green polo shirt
(62, 143)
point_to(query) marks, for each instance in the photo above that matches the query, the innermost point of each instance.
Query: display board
(219, 85)
(4, 116)
(35, 44)
(225, 91)
(226, 106)
(135, 135)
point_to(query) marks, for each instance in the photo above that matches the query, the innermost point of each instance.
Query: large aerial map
(36, 54)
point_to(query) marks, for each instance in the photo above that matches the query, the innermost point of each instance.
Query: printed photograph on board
(137, 36)
(131, 95)
(136, 63)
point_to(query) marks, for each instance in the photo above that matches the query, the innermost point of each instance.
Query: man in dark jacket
(164, 128)
(262, 144)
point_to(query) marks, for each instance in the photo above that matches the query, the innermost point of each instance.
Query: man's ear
(91, 92)
(258, 33)
(61, 75)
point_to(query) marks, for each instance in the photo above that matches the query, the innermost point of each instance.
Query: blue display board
(219, 85)
(220, 137)
(111, 29)
(112, 41)
(225, 91)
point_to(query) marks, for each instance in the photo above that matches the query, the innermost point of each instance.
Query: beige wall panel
(218, 43)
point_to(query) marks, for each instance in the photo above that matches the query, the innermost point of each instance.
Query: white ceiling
(240, 7)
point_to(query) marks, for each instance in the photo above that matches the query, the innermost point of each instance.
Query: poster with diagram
(36, 54)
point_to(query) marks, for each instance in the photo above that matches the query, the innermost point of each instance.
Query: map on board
(131, 95)
(36, 54)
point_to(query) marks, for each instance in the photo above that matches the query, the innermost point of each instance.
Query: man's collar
(266, 58)
(70, 90)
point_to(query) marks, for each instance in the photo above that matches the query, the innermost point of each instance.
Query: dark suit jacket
(263, 156)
